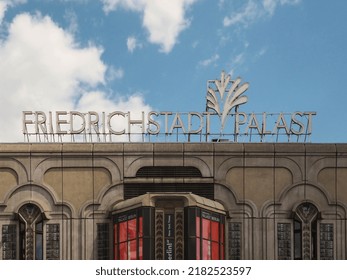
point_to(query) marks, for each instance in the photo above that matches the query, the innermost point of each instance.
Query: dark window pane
(38, 242)
(103, 241)
(115, 232)
(314, 240)
(222, 233)
(297, 240)
(116, 252)
(297, 225)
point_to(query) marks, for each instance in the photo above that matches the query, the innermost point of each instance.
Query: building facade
(173, 201)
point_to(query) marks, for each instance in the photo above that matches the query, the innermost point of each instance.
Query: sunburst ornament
(225, 94)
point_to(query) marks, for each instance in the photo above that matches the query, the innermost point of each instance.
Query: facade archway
(34, 229)
(306, 228)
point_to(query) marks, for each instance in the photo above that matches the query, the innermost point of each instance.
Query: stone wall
(260, 186)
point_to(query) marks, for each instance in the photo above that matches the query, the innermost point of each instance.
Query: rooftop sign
(221, 121)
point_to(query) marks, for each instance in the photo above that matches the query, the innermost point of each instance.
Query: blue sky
(134, 55)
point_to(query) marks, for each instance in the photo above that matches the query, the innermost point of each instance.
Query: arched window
(313, 236)
(30, 232)
(305, 232)
(31, 236)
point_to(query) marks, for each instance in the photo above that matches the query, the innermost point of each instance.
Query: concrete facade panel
(261, 187)
(8, 180)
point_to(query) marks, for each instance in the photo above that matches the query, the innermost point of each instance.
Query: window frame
(200, 239)
(130, 237)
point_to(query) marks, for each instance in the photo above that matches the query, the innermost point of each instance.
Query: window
(169, 234)
(28, 239)
(30, 232)
(305, 232)
(102, 241)
(326, 241)
(53, 242)
(234, 237)
(208, 233)
(128, 236)
(308, 243)
(297, 240)
(9, 242)
(166, 227)
(284, 241)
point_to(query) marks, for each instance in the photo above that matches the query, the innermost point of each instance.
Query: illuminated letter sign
(221, 121)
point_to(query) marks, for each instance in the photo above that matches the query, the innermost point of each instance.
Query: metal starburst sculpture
(225, 95)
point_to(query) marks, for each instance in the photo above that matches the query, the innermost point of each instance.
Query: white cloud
(99, 102)
(112, 5)
(4, 4)
(238, 59)
(164, 20)
(43, 68)
(262, 51)
(270, 6)
(71, 17)
(3, 8)
(114, 73)
(133, 44)
(249, 13)
(221, 4)
(254, 10)
(209, 61)
(236, 62)
(195, 44)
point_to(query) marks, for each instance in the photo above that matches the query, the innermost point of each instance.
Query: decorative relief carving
(179, 235)
(30, 214)
(159, 235)
(307, 213)
(29, 244)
